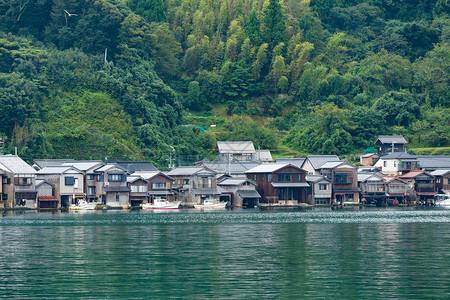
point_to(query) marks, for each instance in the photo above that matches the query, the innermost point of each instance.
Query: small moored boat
(442, 200)
(83, 205)
(160, 203)
(211, 204)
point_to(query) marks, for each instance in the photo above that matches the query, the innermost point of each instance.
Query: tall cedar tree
(252, 28)
(274, 26)
(151, 10)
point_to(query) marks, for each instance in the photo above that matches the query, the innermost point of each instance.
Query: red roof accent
(47, 198)
(412, 174)
(426, 193)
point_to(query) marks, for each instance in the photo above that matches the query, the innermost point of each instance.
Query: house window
(185, 181)
(75, 183)
(323, 186)
(284, 177)
(91, 190)
(90, 177)
(261, 176)
(282, 194)
(158, 185)
(117, 198)
(438, 180)
(100, 177)
(299, 177)
(205, 182)
(343, 177)
(269, 177)
(349, 197)
(395, 164)
(69, 180)
(4, 196)
(385, 164)
(138, 188)
(22, 181)
(320, 201)
(117, 177)
(6, 180)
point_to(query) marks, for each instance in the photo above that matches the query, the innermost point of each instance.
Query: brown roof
(412, 174)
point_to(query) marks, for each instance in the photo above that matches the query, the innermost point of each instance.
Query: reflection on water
(294, 254)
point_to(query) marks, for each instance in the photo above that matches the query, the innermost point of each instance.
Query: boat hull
(217, 205)
(167, 205)
(443, 203)
(90, 206)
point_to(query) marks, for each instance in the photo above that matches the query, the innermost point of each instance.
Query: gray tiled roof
(389, 139)
(399, 155)
(16, 165)
(148, 175)
(315, 178)
(332, 164)
(56, 170)
(318, 161)
(109, 166)
(440, 172)
(131, 179)
(184, 171)
(249, 194)
(298, 162)
(263, 155)
(83, 165)
(266, 168)
(42, 163)
(236, 147)
(42, 181)
(233, 181)
(364, 176)
(434, 161)
(134, 166)
(235, 167)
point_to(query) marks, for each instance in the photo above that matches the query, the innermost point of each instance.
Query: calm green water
(293, 254)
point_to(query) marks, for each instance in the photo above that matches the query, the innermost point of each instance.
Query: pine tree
(252, 28)
(274, 26)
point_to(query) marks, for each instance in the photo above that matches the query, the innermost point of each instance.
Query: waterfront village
(241, 177)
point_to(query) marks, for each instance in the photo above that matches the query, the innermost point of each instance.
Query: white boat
(83, 205)
(211, 204)
(160, 203)
(442, 200)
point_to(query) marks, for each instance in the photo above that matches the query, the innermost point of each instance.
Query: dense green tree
(397, 108)
(19, 101)
(274, 25)
(253, 28)
(151, 10)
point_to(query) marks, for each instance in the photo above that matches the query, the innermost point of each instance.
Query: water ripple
(376, 216)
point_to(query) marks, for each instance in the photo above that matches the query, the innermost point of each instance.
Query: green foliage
(243, 128)
(151, 10)
(19, 101)
(274, 24)
(330, 75)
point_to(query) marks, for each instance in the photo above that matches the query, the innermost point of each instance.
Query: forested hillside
(118, 79)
